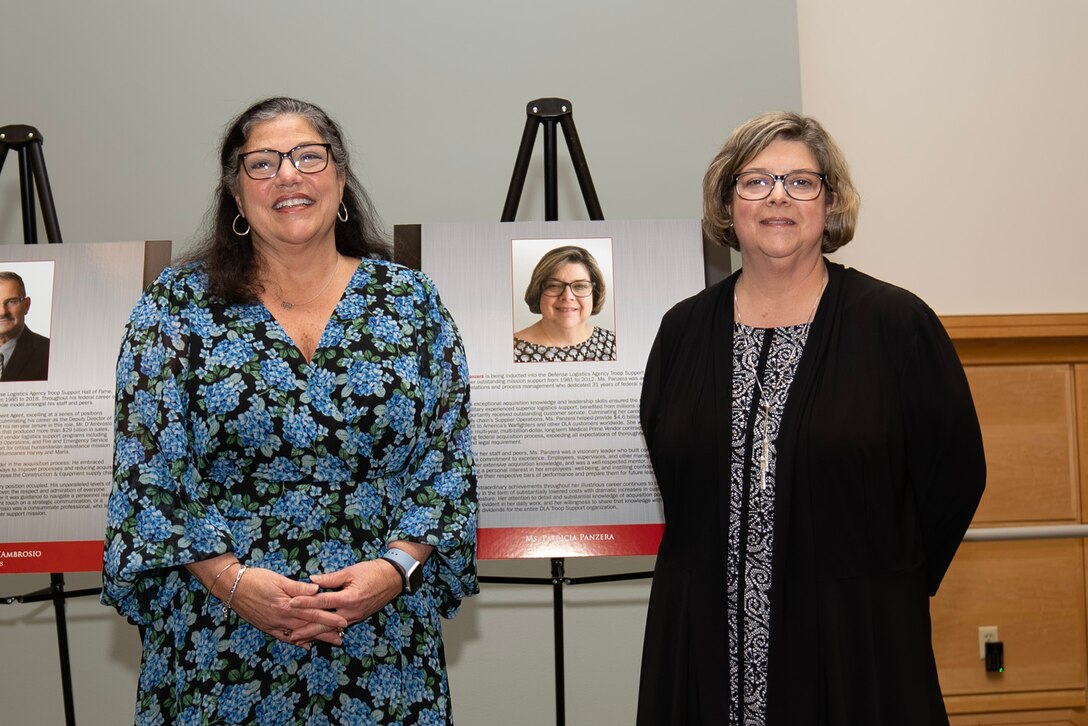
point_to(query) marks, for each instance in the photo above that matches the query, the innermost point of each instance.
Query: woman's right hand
(263, 598)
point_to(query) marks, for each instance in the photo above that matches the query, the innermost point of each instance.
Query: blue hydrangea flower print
(205, 647)
(276, 709)
(401, 412)
(407, 368)
(153, 361)
(384, 328)
(228, 440)
(253, 427)
(127, 452)
(333, 555)
(450, 484)
(153, 671)
(322, 675)
(200, 320)
(231, 352)
(332, 469)
(222, 396)
(366, 377)
(236, 702)
(364, 502)
(276, 373)
(152, 526)
(356, 712)
(300, 429)
(385, 683)
(145, 315)
(246, 641)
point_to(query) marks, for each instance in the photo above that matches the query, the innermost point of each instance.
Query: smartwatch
(411, 572)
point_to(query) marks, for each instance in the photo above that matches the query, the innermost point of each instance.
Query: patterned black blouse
(764, 364)
(601, 345)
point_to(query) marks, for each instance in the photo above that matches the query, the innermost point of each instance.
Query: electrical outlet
(986, 634)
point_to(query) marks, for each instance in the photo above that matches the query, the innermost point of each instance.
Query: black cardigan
(879, 470)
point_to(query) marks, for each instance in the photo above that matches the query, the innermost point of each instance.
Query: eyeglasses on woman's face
(801, 186)
(555, 288)
(265, 163)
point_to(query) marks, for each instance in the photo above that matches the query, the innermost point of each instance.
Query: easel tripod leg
(56, 587)
(557, 605)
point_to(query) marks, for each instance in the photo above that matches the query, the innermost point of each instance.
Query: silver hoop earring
(345, 210)
(234, 226)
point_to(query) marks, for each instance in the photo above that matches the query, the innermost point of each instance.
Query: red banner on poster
(20, 558)
(606, 540)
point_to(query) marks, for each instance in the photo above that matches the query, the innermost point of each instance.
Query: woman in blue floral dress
(294, 501)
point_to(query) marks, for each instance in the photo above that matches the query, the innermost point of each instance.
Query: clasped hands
(301, 612)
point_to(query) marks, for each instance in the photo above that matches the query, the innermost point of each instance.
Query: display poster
(562, 466)
(56, 395)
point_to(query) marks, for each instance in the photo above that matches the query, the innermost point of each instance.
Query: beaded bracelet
(212, 586)
(237, 579)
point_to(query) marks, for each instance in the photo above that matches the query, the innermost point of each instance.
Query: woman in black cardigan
(819, 457)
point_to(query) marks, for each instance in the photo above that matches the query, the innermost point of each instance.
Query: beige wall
(964, 121)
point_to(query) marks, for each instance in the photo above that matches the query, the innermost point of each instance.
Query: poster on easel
(64, 308)
(562, 466)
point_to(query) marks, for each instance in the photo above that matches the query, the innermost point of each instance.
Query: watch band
(411, 572)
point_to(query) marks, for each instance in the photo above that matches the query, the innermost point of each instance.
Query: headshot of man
(24, 355)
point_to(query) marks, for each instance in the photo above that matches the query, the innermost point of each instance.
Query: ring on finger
(287, 633)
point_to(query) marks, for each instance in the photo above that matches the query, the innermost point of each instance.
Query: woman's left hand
(354, 593)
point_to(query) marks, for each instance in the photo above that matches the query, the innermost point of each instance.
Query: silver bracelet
(212, 586)
(237, 579)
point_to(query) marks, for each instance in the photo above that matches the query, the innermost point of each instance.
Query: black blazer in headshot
(30, 360)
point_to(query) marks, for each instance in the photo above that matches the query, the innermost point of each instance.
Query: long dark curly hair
(228, 259)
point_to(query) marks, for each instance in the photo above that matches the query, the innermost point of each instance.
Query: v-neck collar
(276, 329)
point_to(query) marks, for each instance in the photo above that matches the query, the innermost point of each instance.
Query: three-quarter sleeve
(155, 518)
(439, 505)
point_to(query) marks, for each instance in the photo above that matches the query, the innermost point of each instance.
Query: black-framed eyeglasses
(265, 163)
(11, 302)
(803, 186)
(580, 288)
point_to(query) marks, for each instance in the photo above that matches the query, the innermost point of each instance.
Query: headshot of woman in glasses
(565, 289)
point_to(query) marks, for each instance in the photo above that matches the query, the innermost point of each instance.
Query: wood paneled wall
(1029, 378)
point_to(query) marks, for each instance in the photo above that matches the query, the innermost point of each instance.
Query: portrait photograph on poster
(562, 466)
(563, 304)
(26, 306)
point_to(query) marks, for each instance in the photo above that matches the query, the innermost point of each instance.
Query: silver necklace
(765, 449)
(287, 305)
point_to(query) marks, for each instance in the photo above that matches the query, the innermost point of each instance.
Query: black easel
(58, 595)
(27, 143)
(549, 112)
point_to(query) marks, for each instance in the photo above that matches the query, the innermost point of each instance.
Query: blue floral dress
(228, 440)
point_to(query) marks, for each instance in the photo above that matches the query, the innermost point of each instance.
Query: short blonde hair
(550, 262)
(746, 142)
